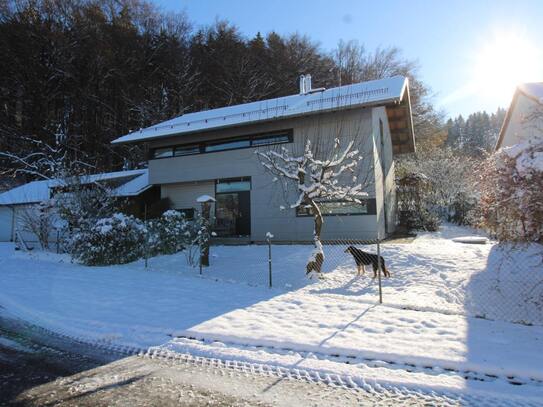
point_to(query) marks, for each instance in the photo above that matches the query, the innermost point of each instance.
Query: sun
(502, 62)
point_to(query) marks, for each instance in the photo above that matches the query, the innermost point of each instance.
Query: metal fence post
(379, 271)
(200, 257)
(146, 248)
(269, 236)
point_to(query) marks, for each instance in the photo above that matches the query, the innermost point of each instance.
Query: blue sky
(461, 46)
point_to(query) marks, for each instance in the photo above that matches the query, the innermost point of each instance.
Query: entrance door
(233, 208)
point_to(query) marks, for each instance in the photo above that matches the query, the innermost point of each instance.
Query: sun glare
(503, 62)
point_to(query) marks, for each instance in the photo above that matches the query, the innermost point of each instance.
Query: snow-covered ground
(423, 336)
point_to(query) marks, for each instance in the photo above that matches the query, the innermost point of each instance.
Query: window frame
(200, 148)
(370, 205)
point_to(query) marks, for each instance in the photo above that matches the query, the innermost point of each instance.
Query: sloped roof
(533, 90)
(378, 92)
(38, 191)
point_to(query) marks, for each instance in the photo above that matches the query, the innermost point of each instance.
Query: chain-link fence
(432, 272)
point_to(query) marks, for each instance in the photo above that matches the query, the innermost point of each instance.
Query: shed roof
(379, 92)
(136, 182)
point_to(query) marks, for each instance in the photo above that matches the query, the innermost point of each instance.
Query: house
(213, 153)
(14, 204)
(524, 118)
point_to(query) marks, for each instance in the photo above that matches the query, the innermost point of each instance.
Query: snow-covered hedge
(115, 240)
(170, 233)
(448, 192)
(511, 183)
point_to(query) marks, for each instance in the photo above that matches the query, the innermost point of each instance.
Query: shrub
(511, 192)
(169, 234)
(449, 187)
(414, 204)
(114, 240)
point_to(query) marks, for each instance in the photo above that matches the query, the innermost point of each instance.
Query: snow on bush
(169, 233)
(114, 240)
(511, 182)
(449, 190)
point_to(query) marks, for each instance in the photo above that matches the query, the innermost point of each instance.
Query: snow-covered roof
(38, 191)
(389, 90)
(533, 90)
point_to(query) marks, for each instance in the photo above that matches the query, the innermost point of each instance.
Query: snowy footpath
(444, 326)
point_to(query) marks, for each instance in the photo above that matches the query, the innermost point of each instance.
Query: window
(163, 152)
(228, 145)
(233, 185)
(257, 140)
(339, 208)
(187, 150)
(270, 139)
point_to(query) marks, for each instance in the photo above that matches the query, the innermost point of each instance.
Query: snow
(471, 239)
(528, 155)
(360, 94)
(205, 198)
(427, 324)
(38, 191)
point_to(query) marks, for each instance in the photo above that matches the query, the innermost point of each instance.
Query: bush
(170, 233)
(511, 192)
(414, 204)
(463, 210)
(114, 240)
(447, 187)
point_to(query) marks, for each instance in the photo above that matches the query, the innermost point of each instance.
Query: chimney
(308, 83)
(305, 84)
(302, 85)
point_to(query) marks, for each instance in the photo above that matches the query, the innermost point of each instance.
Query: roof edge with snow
(378, 92)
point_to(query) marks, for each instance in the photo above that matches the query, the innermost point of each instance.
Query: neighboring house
(14, 203)
(213, 153)
(524, 118)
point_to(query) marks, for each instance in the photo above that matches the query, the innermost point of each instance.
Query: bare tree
(327, 169)
(39, 221)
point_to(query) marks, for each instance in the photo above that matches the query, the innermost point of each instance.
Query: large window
(186, 150)
(163, 152)
(340, 208)
(226, 145)
(233, 185)
(256, 140)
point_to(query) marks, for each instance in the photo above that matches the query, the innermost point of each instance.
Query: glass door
(233, 208)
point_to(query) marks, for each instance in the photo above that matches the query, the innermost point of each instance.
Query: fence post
(379, 271)
(146, 248)
(200, 257)
(269, 236)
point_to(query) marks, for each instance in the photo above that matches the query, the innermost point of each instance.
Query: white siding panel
(6, 223)
(184, 195)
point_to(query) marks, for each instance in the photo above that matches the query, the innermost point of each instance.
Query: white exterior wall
(6, 224)
(384, 173)
(518, 130)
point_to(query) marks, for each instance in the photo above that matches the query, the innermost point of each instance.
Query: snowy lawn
(302, 323)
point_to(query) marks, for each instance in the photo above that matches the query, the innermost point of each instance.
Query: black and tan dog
(363, 259)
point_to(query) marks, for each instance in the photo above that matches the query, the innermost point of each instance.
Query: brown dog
(363, 259)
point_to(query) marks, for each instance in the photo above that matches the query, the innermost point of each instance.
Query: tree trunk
(317, 217)
(204, 255)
